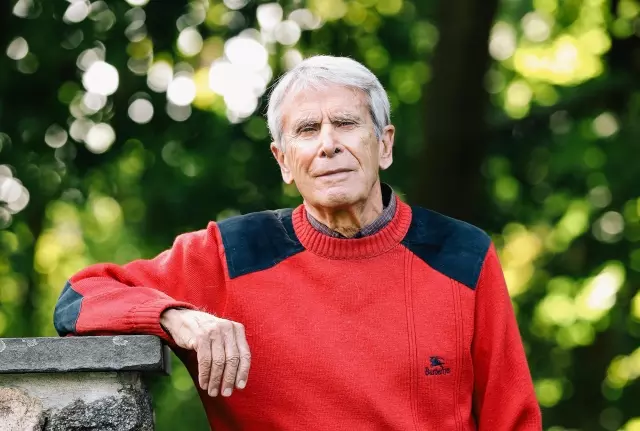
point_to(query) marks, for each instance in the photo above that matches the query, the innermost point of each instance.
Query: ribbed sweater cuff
(145, 318)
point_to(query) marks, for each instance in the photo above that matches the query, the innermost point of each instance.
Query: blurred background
(125, 123)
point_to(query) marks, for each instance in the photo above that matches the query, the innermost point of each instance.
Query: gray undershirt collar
(388, 211)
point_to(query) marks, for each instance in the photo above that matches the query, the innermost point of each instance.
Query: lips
(332, 172)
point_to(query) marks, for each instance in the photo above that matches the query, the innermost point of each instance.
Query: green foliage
(172, 135)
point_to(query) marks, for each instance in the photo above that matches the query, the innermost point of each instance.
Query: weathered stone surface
(57, 390)
(19, 411)
(130, 412)
(104, 353)
(81, 401)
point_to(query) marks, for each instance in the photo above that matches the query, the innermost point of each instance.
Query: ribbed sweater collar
(353, 248)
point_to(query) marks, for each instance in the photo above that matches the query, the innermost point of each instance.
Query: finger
(245, 356)
(231, 362)
(203, 351)
(217, 364)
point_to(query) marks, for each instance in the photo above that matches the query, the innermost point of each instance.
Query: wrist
(168, 318)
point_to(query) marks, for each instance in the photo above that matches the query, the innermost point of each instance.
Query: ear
(282, 162)
(385, 148)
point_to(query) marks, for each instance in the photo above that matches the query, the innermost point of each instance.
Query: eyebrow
(346, 116)
(305, 121)
(312, 120)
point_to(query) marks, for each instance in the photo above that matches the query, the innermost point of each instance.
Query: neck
(349, 220)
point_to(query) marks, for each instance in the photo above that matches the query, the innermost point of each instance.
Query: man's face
(331, 151)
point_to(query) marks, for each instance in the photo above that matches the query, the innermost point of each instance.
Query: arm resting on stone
(129, 299)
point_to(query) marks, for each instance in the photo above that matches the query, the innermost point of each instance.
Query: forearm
(109, 298)
(101, 306)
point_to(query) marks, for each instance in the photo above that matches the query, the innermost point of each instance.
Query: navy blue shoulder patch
(452, 247)
(67, 311)
(258, 241)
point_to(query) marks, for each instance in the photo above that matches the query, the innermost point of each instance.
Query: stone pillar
(78, 383)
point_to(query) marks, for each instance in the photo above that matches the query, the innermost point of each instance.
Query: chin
(337, 197)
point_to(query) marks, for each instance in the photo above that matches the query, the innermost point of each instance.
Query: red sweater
(410, 328)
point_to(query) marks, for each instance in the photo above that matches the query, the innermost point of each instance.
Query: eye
(306, 129)
(346, 123)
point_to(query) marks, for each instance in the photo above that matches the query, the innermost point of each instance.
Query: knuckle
(233, 361)
(212, 327)
(230, 378)
(218, 362)
(203, 336)
(246, 357)
(204, 359)
(203, 340)
(212, 334)
(205, 364)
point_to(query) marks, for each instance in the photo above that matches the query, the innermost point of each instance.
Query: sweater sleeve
(504, 398)
(129, 299)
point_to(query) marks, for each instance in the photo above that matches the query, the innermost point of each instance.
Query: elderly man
(354, 311)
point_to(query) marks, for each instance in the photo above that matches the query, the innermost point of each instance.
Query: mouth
(333, 172)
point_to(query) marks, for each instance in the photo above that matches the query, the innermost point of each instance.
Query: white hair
(323, 70)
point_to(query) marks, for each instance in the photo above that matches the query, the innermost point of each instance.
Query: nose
(329, 145)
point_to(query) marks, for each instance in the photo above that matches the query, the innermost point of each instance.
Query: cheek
(369, 150)
(300, 159)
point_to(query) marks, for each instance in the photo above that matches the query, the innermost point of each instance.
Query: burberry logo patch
(436, 367)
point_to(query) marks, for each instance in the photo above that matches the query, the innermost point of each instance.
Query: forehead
(322, 101)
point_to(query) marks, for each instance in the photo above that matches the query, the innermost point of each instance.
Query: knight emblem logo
(436, 361)
(436, 367)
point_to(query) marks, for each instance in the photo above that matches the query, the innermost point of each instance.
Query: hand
(223, 354)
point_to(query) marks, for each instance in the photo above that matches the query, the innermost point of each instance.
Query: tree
(456, 137)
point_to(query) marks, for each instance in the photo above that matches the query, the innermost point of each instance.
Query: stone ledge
(144, 353)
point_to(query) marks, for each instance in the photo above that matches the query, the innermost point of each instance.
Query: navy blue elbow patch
(67, 311)
(258, 241)
(451, 247)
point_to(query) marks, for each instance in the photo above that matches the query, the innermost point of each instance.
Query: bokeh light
(141, 111)
(190, 42)
(137, 2)
(55, 136)
(235, 4)
(101, 78)
(93, 102)
(287, 32)
(178, 113)
(159, 76)
(605, 125)
(100, 137)
(18, 49)
(76, 12)
(246, 52)
(502, 43)
(536, 27)
(269, 15)
(79, 129)
(292, 58)
(181, 90)
(13, 195)
(90, 56)
(305, 19)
